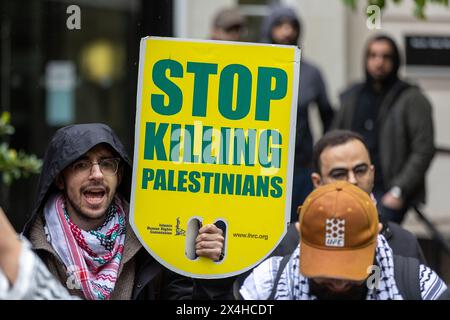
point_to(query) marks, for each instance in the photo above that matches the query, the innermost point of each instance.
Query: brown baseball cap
(338, 232)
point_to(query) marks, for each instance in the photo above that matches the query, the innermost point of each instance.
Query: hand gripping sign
(215, 139)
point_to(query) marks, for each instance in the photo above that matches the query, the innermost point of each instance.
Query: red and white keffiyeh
(92, 258)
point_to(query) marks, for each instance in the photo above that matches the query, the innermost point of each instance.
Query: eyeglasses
(343, 173)
(108, 166)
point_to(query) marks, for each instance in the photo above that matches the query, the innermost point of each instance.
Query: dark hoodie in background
(397, 124)
(368, 106)
(312, 89)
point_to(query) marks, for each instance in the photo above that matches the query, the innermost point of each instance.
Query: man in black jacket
(79, 226)
(395, 119)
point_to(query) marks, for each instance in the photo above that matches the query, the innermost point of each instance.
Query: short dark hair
(331, 139)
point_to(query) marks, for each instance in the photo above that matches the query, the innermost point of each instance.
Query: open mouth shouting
(94, 196)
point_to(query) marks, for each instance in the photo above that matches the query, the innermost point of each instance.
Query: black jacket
(152, 281)
(406, 136)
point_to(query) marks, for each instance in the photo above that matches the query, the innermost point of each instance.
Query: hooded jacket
(276, 14)
(311, 88)
(140, 276)
(405, 136)
(405, 128)
(67, 145)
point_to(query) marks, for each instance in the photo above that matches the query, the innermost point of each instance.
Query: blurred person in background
(282, 26)
(228, 25)
(395, 119)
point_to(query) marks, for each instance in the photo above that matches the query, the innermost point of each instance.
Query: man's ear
(372, 173)
(297, 226)
(316, 179)
(59, 181)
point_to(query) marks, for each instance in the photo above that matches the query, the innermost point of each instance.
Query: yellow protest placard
(214, 142)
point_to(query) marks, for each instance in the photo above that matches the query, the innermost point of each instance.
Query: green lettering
(238, 184)
(160, 180)
(147, 176)
(227, 183)
(171, 89)
(154, 141)
(262, 186)
(207, 156)
(249, 186)
(194, 187)
(224, 155)
(243, 96)
(207, 176)
(265, 151)
(244, 146)
(182, 181)
(277, 191)
(171, 181)
(188, 152)
(265, 93)
(175, 137)
(216, 183)
(201, 73)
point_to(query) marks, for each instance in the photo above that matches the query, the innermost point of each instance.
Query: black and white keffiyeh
(34, 281)
(292, 285)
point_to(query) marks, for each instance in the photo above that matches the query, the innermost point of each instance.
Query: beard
(356, 292)
(386, 82)
(82, 217)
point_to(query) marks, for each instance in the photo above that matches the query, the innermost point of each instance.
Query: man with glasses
(79, 226)
(342, 155)
(342, 256)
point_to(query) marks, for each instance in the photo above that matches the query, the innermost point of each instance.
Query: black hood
(67, 145)
(276, 14)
